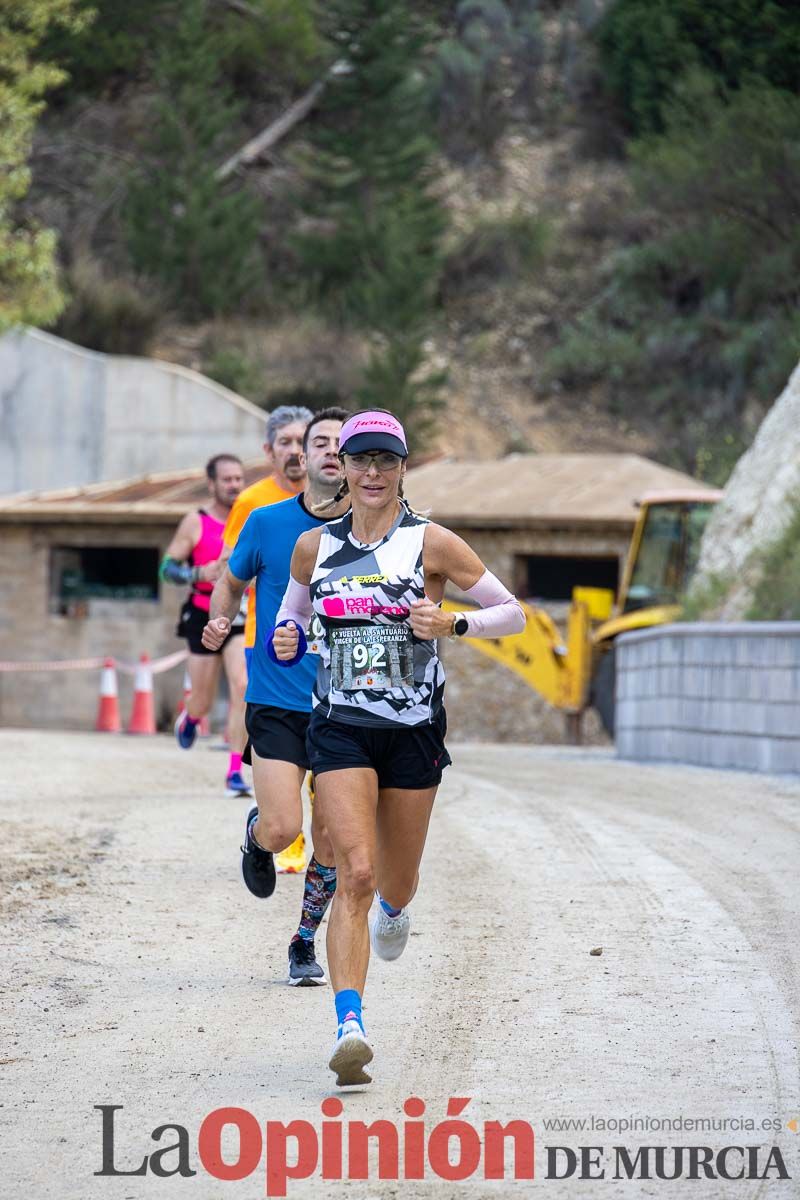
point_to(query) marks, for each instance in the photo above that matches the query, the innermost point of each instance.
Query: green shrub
(647, 46)
(704, 600)
(270, 42)
(589, 351)
(732, 157)
(496, 248)
(112, 45)
(777, 595)
(236, 371)
(278, 44)
(112, 315)
(395, 378)
(715, 458)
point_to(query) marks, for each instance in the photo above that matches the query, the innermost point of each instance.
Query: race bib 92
(371, 656)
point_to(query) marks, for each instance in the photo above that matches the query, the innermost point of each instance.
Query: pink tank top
(207, 550)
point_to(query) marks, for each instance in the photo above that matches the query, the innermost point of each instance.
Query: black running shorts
(277, 733)
(403, 756)
(191, 625)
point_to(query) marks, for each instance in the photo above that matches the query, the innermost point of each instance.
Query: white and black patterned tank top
(373, 671)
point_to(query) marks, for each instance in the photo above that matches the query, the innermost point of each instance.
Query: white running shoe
(350, 1055)
(388, 935)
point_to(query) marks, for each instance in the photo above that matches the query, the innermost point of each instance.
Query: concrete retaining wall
(70, 416)
(718, 695)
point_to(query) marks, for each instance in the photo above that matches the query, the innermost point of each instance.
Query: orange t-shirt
(266, 491)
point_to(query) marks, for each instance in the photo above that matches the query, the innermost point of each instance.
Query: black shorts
(277, 733)
(191, 625)
(405, 756)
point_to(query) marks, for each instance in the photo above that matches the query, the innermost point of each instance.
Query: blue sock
(387, 908)
(348, 1006)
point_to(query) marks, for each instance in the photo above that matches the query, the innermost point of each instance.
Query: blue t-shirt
(264, 552)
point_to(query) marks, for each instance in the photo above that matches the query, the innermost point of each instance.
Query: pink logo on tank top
(360, 606)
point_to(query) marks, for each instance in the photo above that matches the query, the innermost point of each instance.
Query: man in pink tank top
(193, 557)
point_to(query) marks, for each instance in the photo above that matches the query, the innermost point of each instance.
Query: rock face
(755, 509)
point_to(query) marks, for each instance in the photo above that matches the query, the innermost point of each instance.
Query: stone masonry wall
(711, 694)
(121, 628)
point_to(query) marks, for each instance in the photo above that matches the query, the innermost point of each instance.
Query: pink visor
(373, 431)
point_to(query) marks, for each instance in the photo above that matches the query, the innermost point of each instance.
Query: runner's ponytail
(320, 509)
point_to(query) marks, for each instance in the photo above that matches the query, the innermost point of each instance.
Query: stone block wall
(124, 629)
(718, 695)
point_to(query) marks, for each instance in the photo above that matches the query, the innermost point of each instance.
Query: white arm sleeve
(296, 604)
(500, 613)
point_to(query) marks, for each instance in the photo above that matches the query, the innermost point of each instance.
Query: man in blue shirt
(279, 700)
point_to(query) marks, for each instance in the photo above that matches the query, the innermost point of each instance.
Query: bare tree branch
(278, 129)
(246, 10)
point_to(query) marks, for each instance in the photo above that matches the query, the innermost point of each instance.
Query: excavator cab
(664, 551)
(662, 559)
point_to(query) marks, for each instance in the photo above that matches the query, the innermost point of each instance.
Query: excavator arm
(558, 672)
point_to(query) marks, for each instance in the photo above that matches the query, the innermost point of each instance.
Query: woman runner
(375, 579)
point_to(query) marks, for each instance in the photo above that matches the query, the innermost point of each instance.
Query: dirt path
(139, 972)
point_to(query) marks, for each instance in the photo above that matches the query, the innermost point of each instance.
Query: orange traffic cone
(143, 717)
(108, 705)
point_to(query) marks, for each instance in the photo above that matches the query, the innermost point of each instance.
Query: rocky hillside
(750, 558)
(574, 222)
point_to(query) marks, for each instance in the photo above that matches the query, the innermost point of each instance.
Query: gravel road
(138, 972)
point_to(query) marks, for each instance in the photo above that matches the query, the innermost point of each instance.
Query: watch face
(461, 626)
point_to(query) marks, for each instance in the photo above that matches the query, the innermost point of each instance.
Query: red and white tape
(158, 666)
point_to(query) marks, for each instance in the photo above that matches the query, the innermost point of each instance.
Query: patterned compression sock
(318, 892)
(252, 829)
(348, 1007)
(235, 763)
(387, 908)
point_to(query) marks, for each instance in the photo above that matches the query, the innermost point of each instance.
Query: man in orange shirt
(284, 451)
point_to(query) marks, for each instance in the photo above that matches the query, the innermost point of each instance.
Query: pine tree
(371, 253)
(195, 234)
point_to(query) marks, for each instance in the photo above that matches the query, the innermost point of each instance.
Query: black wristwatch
(460, 625)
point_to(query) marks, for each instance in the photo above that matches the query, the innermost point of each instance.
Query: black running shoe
(258, 868)
(304, 970)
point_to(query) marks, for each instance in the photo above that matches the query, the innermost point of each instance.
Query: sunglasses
(384, 461)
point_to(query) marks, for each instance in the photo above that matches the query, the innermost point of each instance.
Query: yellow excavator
(576, 669)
